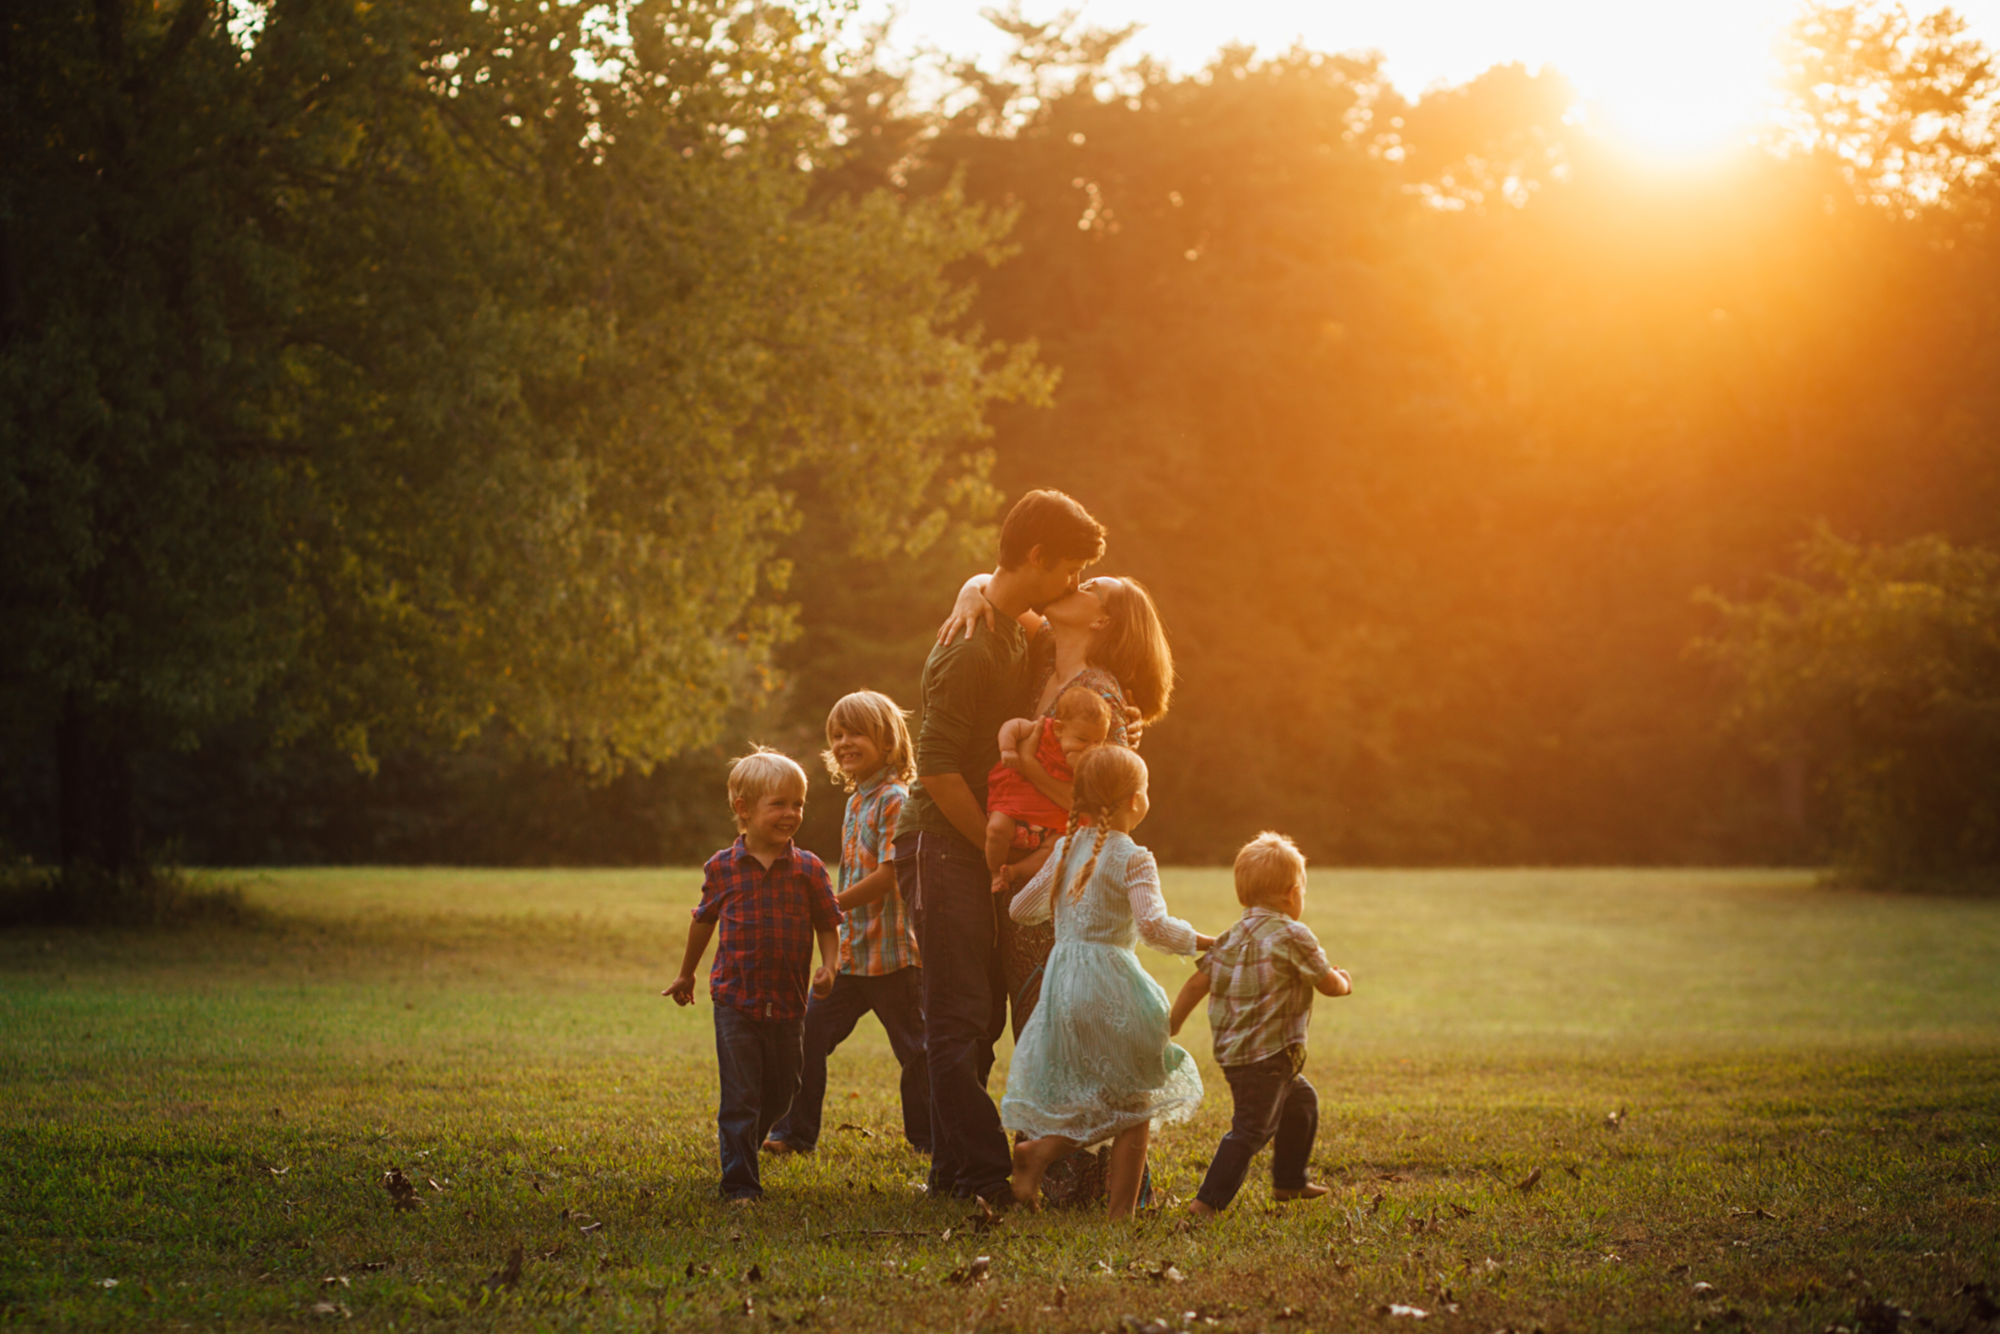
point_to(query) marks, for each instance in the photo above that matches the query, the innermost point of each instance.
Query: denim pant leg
(1258, 1090)
(1298, 1126)
(784, 1053)
(897, 999)
(829, 1019)
(739, 1062)
(965, 1008)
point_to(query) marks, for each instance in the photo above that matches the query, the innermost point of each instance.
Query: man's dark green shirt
(970, 687)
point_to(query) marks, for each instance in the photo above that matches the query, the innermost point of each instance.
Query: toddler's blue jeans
(1272, 1101)
(758, 1061)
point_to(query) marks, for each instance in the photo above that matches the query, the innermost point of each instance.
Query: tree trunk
(97, 817)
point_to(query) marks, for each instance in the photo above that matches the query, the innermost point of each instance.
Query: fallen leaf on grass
(327, 1310)
(335, 1280)
(536, 1186)
(1759, 1212)
(1132, 1324)
(749, 1307)
(1574, 1171)
(433, 1183)
(402, 1193)
(277, 1171)
(754, 1274)
(507, 1275)
(1706, 1292)
(1459, 1210)
(1288, 1313)
(107, 1283)
(1399, 1310)
(1375, 1204)
(1614, 1120)
(1390, 1176)
(588, 1228)
(987, 1218)
(862, 1131)
(1166, 1272)
(1529, 1182)
(1060, 1299)
(371, 1266)
(975, 1272)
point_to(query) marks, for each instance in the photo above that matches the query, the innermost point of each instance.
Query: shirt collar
(740, 852)
(874, 783)
(1260, 910)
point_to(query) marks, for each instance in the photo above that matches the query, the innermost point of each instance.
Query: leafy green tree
(395, 374)
(1879, 668)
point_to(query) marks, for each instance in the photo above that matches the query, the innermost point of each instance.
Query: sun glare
(1693, 86)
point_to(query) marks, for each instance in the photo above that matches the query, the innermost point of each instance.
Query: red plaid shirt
(764, 947)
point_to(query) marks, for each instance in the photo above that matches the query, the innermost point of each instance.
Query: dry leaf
(277, 1171)
(1529, 1182)
(1614, 1120)
(107, 1283)
(1288, 1313)
(1390, 1176)
(588, 1228)
(402, 1193)
(1459, 1210)
(1166, 1272)
(1375, 1204)
(862, 1131)
(754, 1274)
(975, 1272)
(1573, 1170)
(1398, 1309)
(331, 1309)
(1706, 1292)
(335, 1280)
(1061, 1298)
(1759, 1212)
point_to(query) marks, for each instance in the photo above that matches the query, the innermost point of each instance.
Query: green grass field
(196, 1123)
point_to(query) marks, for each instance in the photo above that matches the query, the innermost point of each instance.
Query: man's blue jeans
(945, 880)
(758, 1062)
(1272, 1100)
(897, 1000)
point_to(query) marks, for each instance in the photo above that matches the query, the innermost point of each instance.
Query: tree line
(447, 433)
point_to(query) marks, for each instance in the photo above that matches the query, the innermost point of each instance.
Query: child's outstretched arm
(1335, 982)
(699, 934)
(870, 888)
(1193, 991)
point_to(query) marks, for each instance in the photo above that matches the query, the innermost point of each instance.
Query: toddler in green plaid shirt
(1259, 978)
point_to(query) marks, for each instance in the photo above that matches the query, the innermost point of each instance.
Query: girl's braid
(1083, 876)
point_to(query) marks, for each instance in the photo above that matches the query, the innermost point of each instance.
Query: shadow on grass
(155, 898)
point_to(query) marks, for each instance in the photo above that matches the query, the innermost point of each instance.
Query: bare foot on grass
(1032, 1159)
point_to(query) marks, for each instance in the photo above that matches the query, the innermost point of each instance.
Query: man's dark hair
(1052, 521)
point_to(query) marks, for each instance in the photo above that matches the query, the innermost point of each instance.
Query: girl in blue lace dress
(1094, 1062)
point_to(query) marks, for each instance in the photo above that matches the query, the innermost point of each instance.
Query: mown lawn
(194, 1125)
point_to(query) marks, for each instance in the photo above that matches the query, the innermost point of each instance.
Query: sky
(1674, 74)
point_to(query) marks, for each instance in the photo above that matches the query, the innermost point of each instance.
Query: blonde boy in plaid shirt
(1259, 978)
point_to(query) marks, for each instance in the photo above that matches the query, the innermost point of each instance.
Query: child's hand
(823, 980)
(1202, 942)
(682, 990)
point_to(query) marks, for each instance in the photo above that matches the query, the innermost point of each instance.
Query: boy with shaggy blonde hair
(770, 900)
(1259, 978)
